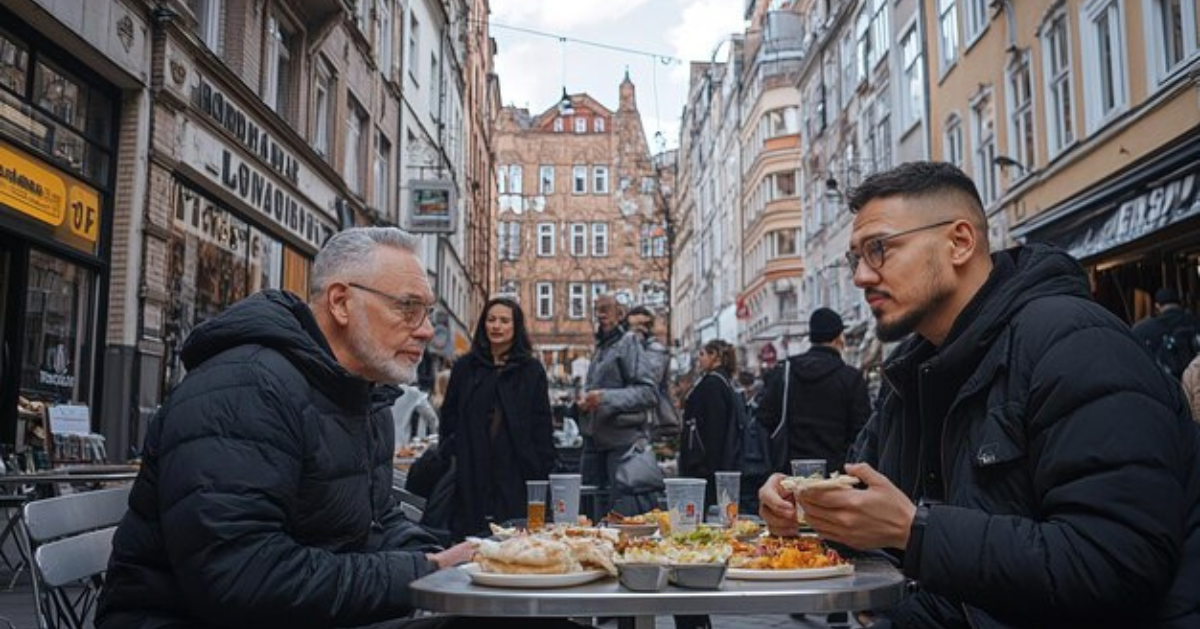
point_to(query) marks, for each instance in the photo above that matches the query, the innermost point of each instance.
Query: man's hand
(878, 517)
(589, 401)
(776, 508)
(460, 553)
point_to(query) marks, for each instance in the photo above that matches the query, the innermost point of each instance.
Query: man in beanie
(1170, 334)
(827, 399)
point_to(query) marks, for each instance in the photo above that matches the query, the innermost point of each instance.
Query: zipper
(375, 524)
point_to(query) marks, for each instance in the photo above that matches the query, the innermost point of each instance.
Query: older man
(1027, 458)
(264, 495)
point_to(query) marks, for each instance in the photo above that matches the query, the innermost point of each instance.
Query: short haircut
(640, 311)
(352, 251)
(920, 179)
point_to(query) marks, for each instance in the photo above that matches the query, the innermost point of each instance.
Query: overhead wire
(661, 58)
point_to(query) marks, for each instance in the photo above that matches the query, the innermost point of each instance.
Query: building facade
(579, 213)
(1086, 136)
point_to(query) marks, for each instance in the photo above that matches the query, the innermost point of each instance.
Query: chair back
(71, 539)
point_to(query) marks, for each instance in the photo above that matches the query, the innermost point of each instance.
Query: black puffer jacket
(1068, 464)
(264, 498)
(827, 405)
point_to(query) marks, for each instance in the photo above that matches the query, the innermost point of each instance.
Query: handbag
(637, 470)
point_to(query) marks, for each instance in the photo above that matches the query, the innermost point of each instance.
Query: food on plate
(616, 518)
(784, 553)
(593, 553)
(503, 532)
(675, 550)
(797, 484)
(746, 528)
(657, 517)
(526, 555)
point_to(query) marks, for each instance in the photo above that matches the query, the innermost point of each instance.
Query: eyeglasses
(874, 249)
(412, 311)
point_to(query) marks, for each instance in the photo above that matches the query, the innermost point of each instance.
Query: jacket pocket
(999, 439)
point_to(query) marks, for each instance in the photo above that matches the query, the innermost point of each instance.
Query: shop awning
(1157, 193)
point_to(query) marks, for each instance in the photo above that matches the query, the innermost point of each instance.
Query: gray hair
(348, 252)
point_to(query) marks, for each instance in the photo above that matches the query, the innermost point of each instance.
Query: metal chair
(10, 522)
(70, 540)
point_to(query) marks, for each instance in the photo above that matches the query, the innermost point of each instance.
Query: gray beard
(381, 366)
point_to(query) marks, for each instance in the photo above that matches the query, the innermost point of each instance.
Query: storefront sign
(432, 208)
(58, 372)
(273, 203)
(41, 192)
(253, 137)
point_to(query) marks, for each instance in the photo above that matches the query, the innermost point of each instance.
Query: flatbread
(526, 555)
(796, 484)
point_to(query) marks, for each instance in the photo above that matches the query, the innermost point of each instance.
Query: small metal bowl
(643, 577)
(698, 576)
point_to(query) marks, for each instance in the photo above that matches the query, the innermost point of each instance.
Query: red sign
(743, 310)
(767, 354)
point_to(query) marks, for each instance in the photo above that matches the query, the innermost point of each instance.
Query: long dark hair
(521, 346)
(726, 355)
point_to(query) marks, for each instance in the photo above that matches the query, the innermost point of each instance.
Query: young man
(1027, 458)
(1171, 334)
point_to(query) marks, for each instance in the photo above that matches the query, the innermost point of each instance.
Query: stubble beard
(937, 292)
(382, 366)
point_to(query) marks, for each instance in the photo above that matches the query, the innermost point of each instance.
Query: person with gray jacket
(618, 399)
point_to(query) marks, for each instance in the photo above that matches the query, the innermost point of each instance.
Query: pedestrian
(264, 497)
(496, 422)
(1027, 462)
(708, 416)
(827, 399)
(1170, 334)
(665, 416)
(619, 392)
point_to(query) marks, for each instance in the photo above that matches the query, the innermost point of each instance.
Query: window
(1104, 61)
(652, 293)
(976, 19)
(600, 179)
(558, 125)
(1172, 34)
(383, 164)
(1020, 108)
(355, 154)
(515, 176)
(546, 180)
(1056, 58)
(783, 185)
(577, 300)
(873, 35)
(545, 300)
(948, 34)
(599, 239)
(279, 82)
(647, 185)
(14, 63)
(579, 180)
(579, 242)
(362, 11)
(208, 22)
(783, 121)
(435, 88)
(984, 136)
(785, 243)
(580, 124)
(414, 46)
(862, 33)
(545, 241)
(653, 240)
(912, 84)
(598, 124)
(383, 37)
(508, 240)
(952, 141)
(323, 108)
(501, 178)
(849, 68)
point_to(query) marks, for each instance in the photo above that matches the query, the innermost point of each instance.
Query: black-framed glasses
(874, 250)
(412, 311)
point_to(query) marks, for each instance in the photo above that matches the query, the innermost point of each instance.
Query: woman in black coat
(708, 415)
(496, 421)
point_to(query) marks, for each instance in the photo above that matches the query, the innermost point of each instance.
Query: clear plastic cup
(729, 487)
(806, 468)
(564, 496)
(685, 503)
(535, 504)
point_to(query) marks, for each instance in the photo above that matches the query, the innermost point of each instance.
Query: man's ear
(963, 241)
(335, 302)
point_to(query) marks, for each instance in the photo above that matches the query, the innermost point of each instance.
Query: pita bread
(797, 484)
(526, 555)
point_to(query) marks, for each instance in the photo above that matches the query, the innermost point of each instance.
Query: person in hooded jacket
(708, 415)
(1027, 462)
(496, 421)
(264, 495)
(827, 399)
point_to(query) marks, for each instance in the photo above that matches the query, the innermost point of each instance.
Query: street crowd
(1029, 460)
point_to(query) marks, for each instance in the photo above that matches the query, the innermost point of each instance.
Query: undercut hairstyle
(521, 348)
(922, 180)
(641, 311)
(726, 355)
(352, 251)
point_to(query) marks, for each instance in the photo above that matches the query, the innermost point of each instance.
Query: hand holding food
(460, 553)
(878, 517)
(776, 507)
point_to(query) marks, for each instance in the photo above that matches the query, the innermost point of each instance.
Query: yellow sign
(37, 190)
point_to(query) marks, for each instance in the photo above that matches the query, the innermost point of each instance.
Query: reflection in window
(60, 94)
(14, 63)
(56, 353)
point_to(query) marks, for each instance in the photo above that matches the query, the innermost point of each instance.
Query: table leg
(635, 622)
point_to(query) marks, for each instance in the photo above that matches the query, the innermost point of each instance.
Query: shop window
(56, 352)
(14, 63)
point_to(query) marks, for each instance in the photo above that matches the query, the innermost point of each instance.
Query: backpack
(1177, 348)
(764, 451)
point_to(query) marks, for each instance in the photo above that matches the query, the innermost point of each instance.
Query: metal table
(873, 585)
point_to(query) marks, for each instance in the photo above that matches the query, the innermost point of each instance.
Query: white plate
(496, 579)
(787, 575)
(635, 530)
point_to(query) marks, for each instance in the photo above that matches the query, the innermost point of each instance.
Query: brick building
(579, 213)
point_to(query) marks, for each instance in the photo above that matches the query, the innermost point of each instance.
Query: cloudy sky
(531, 67)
